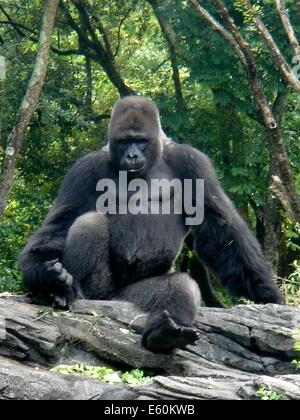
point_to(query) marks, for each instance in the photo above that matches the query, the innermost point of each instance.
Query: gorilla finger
(49, 264)
(60, 301)
(70, 280)
(63, 277)
(58, 267)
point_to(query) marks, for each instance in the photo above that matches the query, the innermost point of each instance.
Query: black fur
(128, 257)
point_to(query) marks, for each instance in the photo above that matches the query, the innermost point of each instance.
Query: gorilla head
(135, 135)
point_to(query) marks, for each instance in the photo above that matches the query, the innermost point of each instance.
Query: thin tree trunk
(170, 37)
(276, 144)
(279, 59)
(272, 228)
(89, 87)
(272, 217)
(90, 42)
(284, 15)
(298, 8)
(29, 104)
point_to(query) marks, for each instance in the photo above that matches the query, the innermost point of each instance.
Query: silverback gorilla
(80, 252)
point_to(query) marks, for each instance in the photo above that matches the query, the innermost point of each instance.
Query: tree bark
(89, 41)
(29, 104)
(279, 59)
(272, 215)
(272, 228)
(284, 15)
(89, 88)
(170, 37)
(276, 144)
(298, 8)
(239, 349)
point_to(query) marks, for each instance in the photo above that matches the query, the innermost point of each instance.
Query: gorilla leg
(86, 256)
(173, 301)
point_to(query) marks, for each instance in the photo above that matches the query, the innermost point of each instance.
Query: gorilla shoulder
(83, 176)
(187, 160)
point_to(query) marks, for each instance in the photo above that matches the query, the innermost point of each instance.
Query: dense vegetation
(102, 50)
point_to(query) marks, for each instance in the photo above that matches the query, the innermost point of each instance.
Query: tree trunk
(90, 42)
(285, 18)
(29, 104)
(239, 350)
(272, 227)
(276, 145)
(89, 88)
(170, 38)
(298, 8)
(272, 216)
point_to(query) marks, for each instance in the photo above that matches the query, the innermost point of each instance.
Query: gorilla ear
(105, 148)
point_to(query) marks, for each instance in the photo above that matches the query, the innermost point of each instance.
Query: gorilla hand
(60, 284)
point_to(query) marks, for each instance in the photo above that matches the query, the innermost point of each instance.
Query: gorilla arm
(39, 261)
(223, 241)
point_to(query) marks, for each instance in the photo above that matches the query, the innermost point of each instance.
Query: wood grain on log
(239, 350)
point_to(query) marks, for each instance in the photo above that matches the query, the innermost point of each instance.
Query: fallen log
(239, 351)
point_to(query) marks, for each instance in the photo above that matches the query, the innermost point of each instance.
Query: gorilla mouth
(136, 170)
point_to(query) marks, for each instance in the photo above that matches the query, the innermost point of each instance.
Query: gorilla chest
(144, 245)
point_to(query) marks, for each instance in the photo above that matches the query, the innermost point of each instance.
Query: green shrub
(135, 377)
(25, 213)
(268, 395)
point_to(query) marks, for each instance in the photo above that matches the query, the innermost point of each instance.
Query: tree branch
(204, 14)
(277, 150)
(298, 8)
(29, 104)
(281, 103)
(251, 69)
(99, 54)
(119, 30)
(102, 31)
(22, 34)
(278, 189)
(18, 26)
(170, 37)
(280, 61)
(284, 15)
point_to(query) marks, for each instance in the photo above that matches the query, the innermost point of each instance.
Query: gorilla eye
(122, 143)
(142, 144)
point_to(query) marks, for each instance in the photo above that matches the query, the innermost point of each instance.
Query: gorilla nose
(132, 157)
(134, 163)
(132, 160)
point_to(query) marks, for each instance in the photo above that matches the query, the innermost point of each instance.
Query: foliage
(135, 377)
(297, 348)
(225, 298)
(291, 286)
(219, 116)
(297, 344)
(24, 214)
(266, 394)
(248, 10)
(292, 237)
(296, 363)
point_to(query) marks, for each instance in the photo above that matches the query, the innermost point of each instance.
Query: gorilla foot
(168, 335)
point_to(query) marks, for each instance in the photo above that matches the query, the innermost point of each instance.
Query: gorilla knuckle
(91, 221)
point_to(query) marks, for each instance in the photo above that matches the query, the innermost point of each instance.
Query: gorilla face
(134, 150)
(135, 140)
